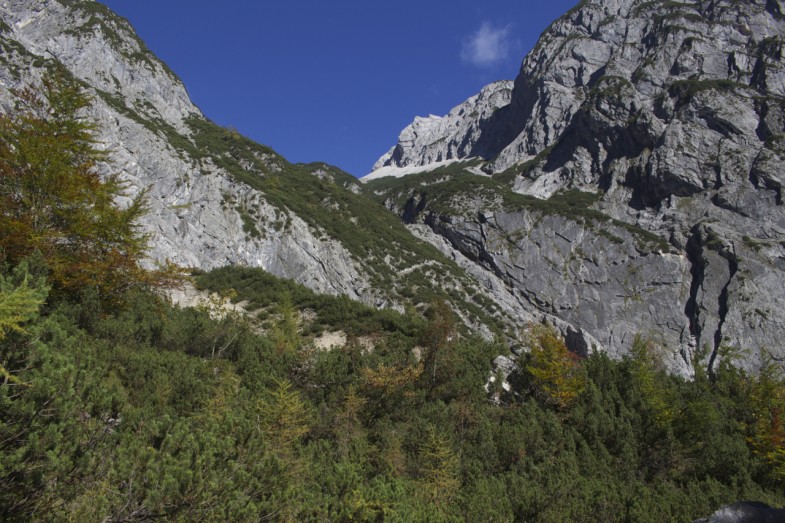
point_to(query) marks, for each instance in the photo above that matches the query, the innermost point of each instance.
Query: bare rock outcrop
(673, 114)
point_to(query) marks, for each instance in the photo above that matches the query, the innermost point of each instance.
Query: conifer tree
(647, 371)
(440, 469)
(438, 338)
(21, 296)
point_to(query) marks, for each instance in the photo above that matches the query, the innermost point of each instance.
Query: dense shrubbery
(133, 410)
(160, 412)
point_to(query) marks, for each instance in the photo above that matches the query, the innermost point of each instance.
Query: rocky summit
(627, 184)
(666, 121)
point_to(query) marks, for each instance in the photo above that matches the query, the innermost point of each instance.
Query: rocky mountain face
(628, 183)
(216, 198)
(142, 109)
(672, 115)
(438, 139)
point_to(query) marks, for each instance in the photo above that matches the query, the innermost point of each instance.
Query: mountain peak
(434, 139)
(670, 116)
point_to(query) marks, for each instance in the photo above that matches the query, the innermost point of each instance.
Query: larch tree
(438, 338)
(53, 199)
(439, 468)
(555, 372)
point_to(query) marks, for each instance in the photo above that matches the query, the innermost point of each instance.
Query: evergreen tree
(649, 373)
(440, 468)
(21, 296)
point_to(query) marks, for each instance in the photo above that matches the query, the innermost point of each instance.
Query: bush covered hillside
(117, 406)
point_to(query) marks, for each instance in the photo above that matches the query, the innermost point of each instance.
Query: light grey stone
(674, 114)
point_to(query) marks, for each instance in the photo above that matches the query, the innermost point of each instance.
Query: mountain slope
(678, 134)
(217, 198)
(630, 187)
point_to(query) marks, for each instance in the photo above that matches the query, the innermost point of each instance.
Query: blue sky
(336, 81)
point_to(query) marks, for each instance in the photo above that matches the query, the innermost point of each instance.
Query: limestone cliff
(217, 198)
(672, 114)
(142, 109)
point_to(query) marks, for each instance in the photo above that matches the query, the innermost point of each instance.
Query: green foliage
(767, 424)
(280, 298)
(438, 338)
(439, 467)
(21, 296)
(284, 331)
(685, 90)
(154, 410)
(647, 369)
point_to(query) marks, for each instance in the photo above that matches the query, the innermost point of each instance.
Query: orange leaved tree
(53, 200)
(555, 372)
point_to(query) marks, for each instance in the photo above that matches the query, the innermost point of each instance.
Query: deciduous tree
(440, 468)
(21, 296)
(554, 370)
(438, 337)
(53, 199)
(768, 412)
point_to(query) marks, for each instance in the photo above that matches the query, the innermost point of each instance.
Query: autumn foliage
(555, 371)
(53, 200)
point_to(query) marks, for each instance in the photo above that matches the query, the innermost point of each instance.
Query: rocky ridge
(436, 139)
(674, 115)
(139, 105)
(216, 198)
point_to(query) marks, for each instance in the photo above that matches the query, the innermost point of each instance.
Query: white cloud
(487, 47)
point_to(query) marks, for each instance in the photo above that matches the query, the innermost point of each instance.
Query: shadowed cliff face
(674, 115)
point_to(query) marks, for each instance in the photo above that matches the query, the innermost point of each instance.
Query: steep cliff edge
(673, 115)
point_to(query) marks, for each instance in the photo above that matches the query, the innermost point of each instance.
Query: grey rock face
(437, 139)
(140, 106)
(674, 114)
(600, 289)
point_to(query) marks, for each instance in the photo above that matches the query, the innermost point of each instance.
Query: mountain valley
(623, 193)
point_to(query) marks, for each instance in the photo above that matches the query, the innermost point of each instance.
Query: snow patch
(398, 172)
